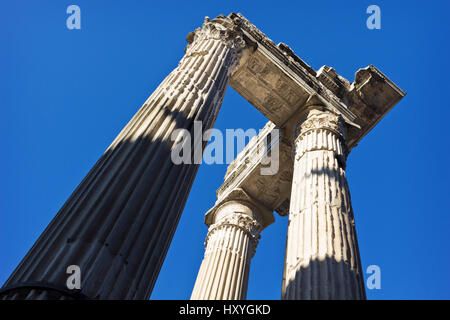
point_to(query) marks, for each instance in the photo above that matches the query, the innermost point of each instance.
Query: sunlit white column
(322, 257)
(234, 231)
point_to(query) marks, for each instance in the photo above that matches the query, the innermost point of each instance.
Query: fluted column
(322, 257)
(118, 224)
(234, 230)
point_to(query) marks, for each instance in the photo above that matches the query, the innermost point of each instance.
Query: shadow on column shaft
(327, 279)
(116, 226)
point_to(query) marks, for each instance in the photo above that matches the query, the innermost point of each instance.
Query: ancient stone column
(119, 222)
(322, 257)
(234, 229)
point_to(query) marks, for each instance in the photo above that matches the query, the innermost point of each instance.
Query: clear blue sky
(65, 94)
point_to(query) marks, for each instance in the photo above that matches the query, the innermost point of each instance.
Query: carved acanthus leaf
(220, 28)
(239, 220)
(321, 120)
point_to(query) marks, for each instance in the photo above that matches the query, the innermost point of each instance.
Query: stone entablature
(245, 171)
(279, 84)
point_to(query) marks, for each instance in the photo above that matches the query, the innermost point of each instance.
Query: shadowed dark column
(119, 222)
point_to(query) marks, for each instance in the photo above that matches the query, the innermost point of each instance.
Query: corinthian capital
(249, 225)
(321, 120)
(321, 130)
(221, 28)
